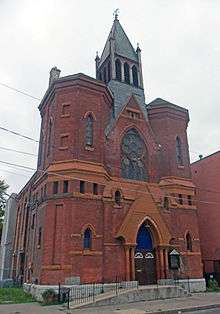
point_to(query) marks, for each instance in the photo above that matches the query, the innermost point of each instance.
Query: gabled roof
(123, 46)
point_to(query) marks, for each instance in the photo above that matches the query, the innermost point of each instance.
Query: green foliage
(213, 286)
(49, 296)
(14, 295)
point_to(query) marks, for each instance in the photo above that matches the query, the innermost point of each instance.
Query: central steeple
(120, 67)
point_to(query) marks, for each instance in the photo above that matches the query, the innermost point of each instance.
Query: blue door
(145, 265)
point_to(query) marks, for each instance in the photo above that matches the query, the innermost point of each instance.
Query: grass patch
(14, 295)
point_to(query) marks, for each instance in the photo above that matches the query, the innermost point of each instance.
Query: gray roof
(159, 102)
(123, 46)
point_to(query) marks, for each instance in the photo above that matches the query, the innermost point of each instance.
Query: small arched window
(188, 242)
(127, 73)
(179, 156)
(87, 239)
(89, 130)
(135, 76)
(118, 197)
(118, 69)
(109, 71)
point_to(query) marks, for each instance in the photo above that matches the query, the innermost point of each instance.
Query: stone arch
(144, 209)
(86, 226)
(155, 232)
(87, 113)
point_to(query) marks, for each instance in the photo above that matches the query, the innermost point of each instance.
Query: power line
(16, 165)
(18, 134)
(17, 151)
(16, 173)
(19, 91)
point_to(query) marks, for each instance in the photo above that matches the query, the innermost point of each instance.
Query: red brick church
(113, 195)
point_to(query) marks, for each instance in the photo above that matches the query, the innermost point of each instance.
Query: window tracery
(133, 156)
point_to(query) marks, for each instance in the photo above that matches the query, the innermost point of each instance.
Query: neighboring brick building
(206, 176)
(8, 233)
(113, 194)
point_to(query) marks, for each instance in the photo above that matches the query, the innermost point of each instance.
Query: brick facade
(206, 176)
(52, 217)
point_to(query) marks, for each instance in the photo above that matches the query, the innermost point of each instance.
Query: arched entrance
(145, 257)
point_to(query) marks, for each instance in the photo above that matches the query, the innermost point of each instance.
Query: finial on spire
(97, 56)
(138, 48)
(115, 14)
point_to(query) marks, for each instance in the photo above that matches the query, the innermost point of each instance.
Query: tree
(3, 195)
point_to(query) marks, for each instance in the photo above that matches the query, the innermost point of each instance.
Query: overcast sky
(180, 53)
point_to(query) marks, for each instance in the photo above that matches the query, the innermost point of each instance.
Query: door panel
(145, 267)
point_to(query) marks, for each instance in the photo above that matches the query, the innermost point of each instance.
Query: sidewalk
(169, 306)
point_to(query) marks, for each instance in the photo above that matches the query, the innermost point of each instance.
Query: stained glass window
(133, 156)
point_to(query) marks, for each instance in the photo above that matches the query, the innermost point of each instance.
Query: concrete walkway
(169, 306)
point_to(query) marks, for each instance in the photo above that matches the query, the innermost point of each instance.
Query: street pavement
(175, 306)
(211, 311)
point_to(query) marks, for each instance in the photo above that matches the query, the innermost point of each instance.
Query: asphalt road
(211, 311)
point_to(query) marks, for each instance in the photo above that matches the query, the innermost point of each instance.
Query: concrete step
(144, 293)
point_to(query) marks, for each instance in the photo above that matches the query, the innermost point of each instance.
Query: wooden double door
(145, 267)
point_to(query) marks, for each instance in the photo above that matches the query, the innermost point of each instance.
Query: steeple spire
(120, 66)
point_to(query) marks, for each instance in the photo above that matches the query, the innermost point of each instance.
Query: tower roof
(122, 44)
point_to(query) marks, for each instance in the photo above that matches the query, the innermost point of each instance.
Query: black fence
(88, 292)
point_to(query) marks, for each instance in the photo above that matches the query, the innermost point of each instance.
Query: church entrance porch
(145, 258)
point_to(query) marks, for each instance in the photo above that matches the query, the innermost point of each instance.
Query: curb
(185, 310)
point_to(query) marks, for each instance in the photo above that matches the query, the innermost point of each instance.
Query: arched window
(127, 73)
(118, 197)
(49, 138)
(135, 76)
(118, 69)
(87, 239)
(109, 71)
(89, 130)
(188, 242)
(133, 156)
(179, 156)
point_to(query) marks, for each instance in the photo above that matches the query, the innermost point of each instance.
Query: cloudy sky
(180, 53)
